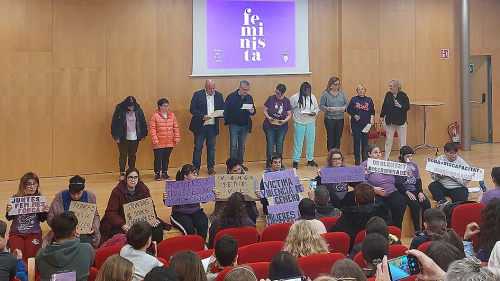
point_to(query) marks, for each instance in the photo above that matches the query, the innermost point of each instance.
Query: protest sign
(190, 191)
(228, 184)
(342, 174)
(279, 175)
(386, 167)
(27, 205)
(140, 210)
(450, 169)
(283, 191)
(288, 212)
(85, 213)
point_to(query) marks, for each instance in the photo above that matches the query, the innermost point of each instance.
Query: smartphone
(313, 184)
(402, 267)
(482, 185)
(299, 278)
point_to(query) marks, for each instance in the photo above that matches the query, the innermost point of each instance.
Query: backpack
(448, 210)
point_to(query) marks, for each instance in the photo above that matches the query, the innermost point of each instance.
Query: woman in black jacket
(394, 115)
(128, 128)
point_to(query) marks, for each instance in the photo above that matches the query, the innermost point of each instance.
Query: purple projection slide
(250, 34)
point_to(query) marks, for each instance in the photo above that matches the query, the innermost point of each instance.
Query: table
(426, 104)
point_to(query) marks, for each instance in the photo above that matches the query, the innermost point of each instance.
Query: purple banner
(250, 34)
(288, 216)
(279, 175)
(274, 209)
(190, 191)
(342, 174)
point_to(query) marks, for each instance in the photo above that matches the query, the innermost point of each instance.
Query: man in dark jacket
(128, 128)
(204, 127)
(354, 219)
(321, 198)
(238, 110)
(67, 253)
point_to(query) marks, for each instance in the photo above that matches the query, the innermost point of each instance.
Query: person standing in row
(362, 112)
(128, 128)
(239, 119)
(334, 103)
(394, 115)
(204, 127)
(304, 109)
(165, 135)
(278, 111)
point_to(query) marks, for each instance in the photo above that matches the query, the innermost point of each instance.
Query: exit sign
(445, 54)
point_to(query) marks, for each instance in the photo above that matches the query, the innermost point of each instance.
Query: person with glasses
(25, 233)
(452, 187)
(131, 189)
(334, 103)
(362, 112)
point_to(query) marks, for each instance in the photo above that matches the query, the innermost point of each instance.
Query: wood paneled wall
(65, 64)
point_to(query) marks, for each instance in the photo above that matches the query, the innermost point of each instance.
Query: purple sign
(342, 174)
(274, 209)
(190, 191)
(281, 217)
(279, 175)
(250, 34)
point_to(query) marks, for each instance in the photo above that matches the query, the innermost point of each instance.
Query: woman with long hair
(304, 240)
(345, 269)
(188, 267)
(25, 232)
(116, 268)
(233, 215)
(334, 103)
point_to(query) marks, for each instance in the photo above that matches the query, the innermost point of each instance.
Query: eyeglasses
(336, 84)
(32, 184)
(165, 105)
(452, 152)
(337, 159)
(236, 170)
(133, 177)
(195, 173)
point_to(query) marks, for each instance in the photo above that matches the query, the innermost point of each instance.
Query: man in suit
(204, 127)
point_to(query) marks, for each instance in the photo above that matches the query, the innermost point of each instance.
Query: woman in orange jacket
(165, 134)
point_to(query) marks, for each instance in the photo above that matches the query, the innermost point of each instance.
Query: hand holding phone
(402, 267)
(313, 184)
(482, 185)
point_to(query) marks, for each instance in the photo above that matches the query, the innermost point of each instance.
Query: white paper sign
(454, 170)
(386, 167)
(27, 205)
(217, 113)
(306, 111)
(367, 128)
(247, 106)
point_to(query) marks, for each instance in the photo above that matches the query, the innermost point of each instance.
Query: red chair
(410, 278)
(205, 253)
(358, 259)
(276, 232)
(422, 247)
(260, 252)
(463, 215)
(315, 265)
(329, 222)
(394, 230)
(103, 254)
(93, 274)
(244, 235)
(394, 252)
(261, 270)
(162, 260)
(167, 248)
(338, 242)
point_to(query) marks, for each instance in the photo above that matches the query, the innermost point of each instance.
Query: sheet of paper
(473, 189)
(367, 128)
(306, 111)
(217, 113)
(206, 262)
(276, 122)
(247, 106)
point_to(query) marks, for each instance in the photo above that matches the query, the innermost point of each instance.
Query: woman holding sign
(25, 232)
(385, 188)
(129, 190)
(62, 202)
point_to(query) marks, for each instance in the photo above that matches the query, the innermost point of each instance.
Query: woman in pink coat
(165, 134)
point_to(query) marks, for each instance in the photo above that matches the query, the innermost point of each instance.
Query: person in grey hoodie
(321, 198)
(334, 103)
(67, 253)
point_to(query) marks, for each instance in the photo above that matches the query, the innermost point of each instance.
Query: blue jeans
(359, 138)
(238, 138)
(207, 133)
(275, 135)
(309, 133)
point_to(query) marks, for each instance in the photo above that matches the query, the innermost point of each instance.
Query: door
(480, 92)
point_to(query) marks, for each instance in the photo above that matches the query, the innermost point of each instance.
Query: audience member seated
(284, 266)
(375, 225)
(161, 273)
(469, 268)
(434, 219)
(131, 189)
(494, 260)
(354, 219)
(233, 215)
(8, 262)
(189, 218)
(304, 240)
(411, 187)
(385, 188)
(375, 247)
(61, 203)
(21, 273)
(138, 240)
(321, 198)
(491, 194)
(346, 268)
(449, 235)
(226, 254)
(25, 232)
(187, 265)
(67, 253)
(241, 273)
(116, 268)
(452, 187)
(307, 212)
(233, 166)
(340, 196)
(443, 253)
(327, 278)
(490, 231)
(276, 165)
